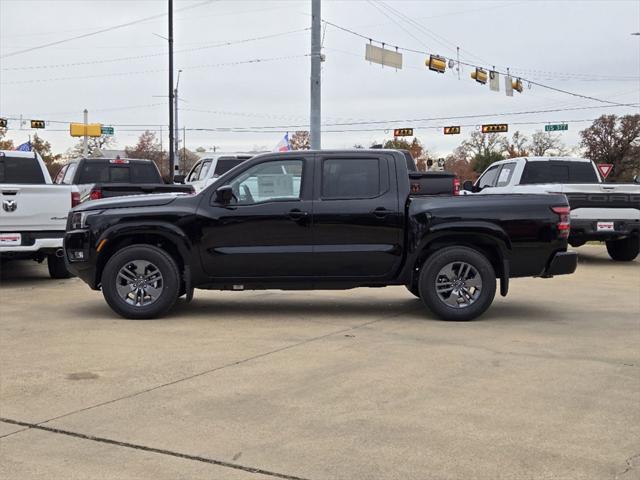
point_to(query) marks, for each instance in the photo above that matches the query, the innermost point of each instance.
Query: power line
(102, 30)
(163, 54)
(412, 50)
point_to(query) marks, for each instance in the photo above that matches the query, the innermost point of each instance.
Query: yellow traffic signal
(90, 129)
(37, 123)
(452, 130)
(517, 85)
(479, 76)
(495, 128)
(436, 63)
(403, 132)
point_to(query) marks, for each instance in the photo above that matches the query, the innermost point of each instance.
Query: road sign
(452, 130)
(383, 56)
(37, 123)
(605, 169)
(106, 130)
(495, 128)
(441, 162)
(556, 127)
(81, 129)
(3, 123)
(403, 132)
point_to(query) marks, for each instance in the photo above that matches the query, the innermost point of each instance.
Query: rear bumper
(31, 244)
(585, 230)
(562, 263)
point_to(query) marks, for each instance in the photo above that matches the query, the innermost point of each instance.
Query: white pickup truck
(34, 211)
(207, 169)
(608, 212)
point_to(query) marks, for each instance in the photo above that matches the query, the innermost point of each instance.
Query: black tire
(624, 250)
(57, 268)
(169, 282)
(480, 269)
(414, 290)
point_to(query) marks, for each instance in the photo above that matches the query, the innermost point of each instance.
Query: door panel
(357, 220)
(266, 231)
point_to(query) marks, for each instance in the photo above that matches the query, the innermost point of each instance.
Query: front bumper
(85, 269)
(562, 263)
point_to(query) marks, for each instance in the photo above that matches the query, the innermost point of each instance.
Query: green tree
(482, 161)
(615, 140)
(415, 147)
(51, 160)
(148, 147)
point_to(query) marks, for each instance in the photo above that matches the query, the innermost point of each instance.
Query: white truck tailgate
(34, 207)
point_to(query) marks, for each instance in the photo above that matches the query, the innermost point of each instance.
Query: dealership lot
(323, 384)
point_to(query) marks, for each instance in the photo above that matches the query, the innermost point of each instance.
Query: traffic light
(37, 123)
(3, 123)
(436, 63)
(452, 130)
(480, 76)
(517, 85)
(403, 132)
(495, 128)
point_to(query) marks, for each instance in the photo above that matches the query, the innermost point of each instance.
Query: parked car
(207, 169)
(325, 220)
(34, 211)
(608, 212)
(113, 177)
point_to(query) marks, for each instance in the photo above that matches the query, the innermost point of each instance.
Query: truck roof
(18, 154)
(543, 159)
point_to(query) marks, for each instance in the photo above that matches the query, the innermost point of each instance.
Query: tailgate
(605, 196)
(34, 207)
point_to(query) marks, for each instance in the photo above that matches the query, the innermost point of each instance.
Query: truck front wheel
(141, 281)
(624, 250)
(457, 283)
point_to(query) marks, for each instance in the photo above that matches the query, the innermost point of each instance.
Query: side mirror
(224, 195)
(178, 178)
(636, 179)
(468, 186)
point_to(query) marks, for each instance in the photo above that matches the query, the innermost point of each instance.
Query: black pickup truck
(114, 177)
(317, 220)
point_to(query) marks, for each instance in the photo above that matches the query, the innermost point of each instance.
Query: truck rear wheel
(624, 250)
(457, 283)
(57, 268)
(141, 281)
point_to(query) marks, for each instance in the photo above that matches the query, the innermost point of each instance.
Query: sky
(121, 75)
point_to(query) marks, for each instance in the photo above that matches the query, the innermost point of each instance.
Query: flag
(283, 145)
(25, 147)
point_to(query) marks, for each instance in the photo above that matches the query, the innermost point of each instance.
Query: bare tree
(517, 147)
(93, 145)
(149, 147)
(300, 140)
(480, 143)
(546, 143)
(615, 140)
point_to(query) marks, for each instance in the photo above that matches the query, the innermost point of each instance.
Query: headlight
(79, 219)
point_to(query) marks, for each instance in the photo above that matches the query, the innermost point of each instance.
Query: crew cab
(317, 220)
(34, 211)
(608, 212)
(112, 177)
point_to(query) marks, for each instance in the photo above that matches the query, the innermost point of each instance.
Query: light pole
(171, 133)
(315, 140)
(175, 114)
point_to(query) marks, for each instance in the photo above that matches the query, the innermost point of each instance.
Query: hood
(152, 200)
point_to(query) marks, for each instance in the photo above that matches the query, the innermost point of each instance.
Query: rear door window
(504, 177)
(354, 178)
(226, 164)
(20, 170)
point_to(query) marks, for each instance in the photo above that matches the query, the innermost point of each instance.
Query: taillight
(456, 186)
(564, 222)
(96, 194)
(75, 199)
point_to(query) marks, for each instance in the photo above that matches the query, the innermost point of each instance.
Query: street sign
(452, 130)
(495, 128)
(3, 123)
(106, 130)
(556, 127)
(403, 132)
(383, 56)
(605, 169)
(81, 129)
(37, 123)
(441, 162)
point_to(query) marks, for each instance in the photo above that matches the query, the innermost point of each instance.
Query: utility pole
(85, 143)
(171, 132)
(175, 114)
(315, 140)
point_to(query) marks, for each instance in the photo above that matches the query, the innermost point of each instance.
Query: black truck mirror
(468, 186)
(224, 195)
(178, 179)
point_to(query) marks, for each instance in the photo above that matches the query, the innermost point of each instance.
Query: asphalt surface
(359, 384)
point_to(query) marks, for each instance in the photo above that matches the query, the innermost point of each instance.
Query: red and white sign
(605, 169)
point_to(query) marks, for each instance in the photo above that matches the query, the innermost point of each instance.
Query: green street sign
(556, 127)
(106, 130)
